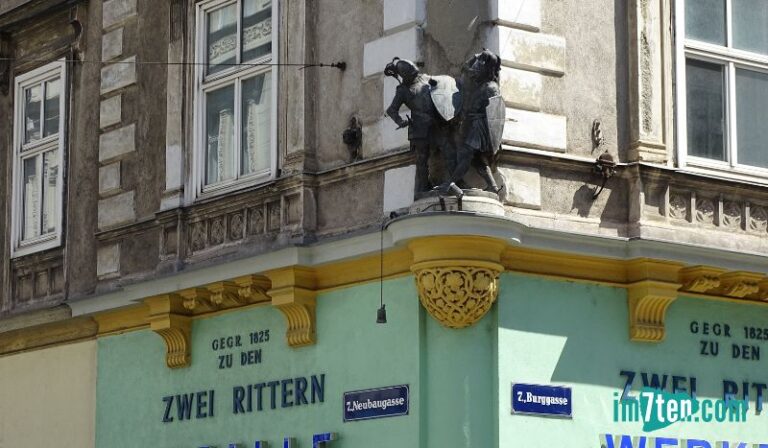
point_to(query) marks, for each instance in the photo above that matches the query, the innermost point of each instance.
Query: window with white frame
(722, 81)
(38, 151)
(236, 95)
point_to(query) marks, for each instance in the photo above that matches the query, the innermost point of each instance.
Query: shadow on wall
(582, 200)
(578, 334)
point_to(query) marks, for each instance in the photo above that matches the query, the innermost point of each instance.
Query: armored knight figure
(414, 92)
(482, 120)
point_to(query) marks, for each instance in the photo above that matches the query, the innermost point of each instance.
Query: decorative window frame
(197, 190)
(731, 59)
(49, 241)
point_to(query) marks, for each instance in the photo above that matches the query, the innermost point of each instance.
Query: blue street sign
(376, 403)
(533, 399)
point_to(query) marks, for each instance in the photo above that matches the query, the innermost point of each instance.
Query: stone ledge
(119, 74)
(524, 14)
(116, 143)
(524, 50)
(109, 178)
(405, 44)
(521, 88)
(112, 44)
(111, 111)
(117, 11)
(398, 13)
(116, 210)
(536, 130)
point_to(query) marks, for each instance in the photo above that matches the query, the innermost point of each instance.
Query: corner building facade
(194, 257)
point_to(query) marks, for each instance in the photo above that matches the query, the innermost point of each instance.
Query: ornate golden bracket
(653, 286)
(167, 318)
(457, 277)
(293, 293)
(648, 303)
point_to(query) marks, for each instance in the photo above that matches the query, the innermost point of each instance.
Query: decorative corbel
(653, 286)
(293, 293)
(740, 284)
(225, 294)
(700, 279)
(253, 288)
(168, 318)
(197, 300)
(648, 303)
(77, 15)
(457, 277)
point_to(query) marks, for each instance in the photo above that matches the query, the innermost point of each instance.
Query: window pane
(50, 179)
(31, 198)
(750, 25)
(705, 20)
(220, 132)
(704, 93)
(257, 29)
(256, 129)
(32, 99)
(51, 109)
(751, 110)
(222, 38)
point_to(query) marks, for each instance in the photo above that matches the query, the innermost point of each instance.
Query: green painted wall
(555, 332)
(452, 375)
(352, 351)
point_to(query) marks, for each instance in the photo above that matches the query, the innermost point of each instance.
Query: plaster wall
(576, 335)
(594, 86)
(47, 397)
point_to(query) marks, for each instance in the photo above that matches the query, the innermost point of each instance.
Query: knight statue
(463, 118)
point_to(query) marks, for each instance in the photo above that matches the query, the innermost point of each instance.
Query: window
(236, 95)
(723, 85)
(38, 151)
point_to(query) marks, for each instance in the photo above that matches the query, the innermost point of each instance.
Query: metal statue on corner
(464, 118)
(414, 92)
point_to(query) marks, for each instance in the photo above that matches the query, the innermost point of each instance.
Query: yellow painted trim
(293, 290)
(47, 335)
(293, 293)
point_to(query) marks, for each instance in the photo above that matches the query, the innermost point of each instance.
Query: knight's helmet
(401, 68)
(486, 64)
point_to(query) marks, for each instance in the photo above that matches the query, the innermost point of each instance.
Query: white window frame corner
(18, 247)
(731, 59)
(196, 188)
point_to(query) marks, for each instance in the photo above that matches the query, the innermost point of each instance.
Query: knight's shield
(445, 96)
(496, 114)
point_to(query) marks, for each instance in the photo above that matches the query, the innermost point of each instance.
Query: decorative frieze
(705, 211)
(679, 206)
(719, 212)
(36, 279)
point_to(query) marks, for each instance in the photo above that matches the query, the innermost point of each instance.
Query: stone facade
(131, 211)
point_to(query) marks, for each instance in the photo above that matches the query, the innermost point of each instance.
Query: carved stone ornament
(678, 207)
(168, 318)
(648, 303)
(457, 294)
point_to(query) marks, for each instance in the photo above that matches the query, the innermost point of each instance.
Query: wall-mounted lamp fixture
(604, 166)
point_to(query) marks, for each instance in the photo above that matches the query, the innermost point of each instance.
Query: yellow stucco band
(652, 287)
